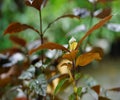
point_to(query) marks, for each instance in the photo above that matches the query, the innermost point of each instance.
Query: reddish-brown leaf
(98, 49)
(115, 89)
(18, 40)
(96, 89)
(38, 4)
(49, 45)
(11, 76)
(95, 27)
(4, 81)
(11, 51)
(103, 98)
(105, 12)
(88, 57)
(20, 98)
(18, 27)
(70, 56)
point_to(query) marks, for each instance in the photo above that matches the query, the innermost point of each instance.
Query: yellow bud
(75, 89)
(72, 44)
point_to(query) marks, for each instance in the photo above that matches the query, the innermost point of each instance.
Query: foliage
(40, 76)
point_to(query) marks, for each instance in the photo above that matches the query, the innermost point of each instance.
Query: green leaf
(79, 91)
(60, 84)
(28, 74)
(78, 76)
(39, 85)
(72, 96)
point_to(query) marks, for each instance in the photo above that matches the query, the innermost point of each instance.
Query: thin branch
(63, 16)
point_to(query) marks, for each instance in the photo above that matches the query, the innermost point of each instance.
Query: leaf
(115, 89)
(96, 89)
(99, 50)
(18, 40)
(38, 4)
(72, 96)
(28, 74)
(95, 27)
(87, 58)
(49, 45)
(58, 76)
(63, 16)
(18, 27)
(78, 76)
(79, 91)
(39, 85)
(104, 13)
(70, 56)
(103, 98)
(60, 84)
(21, 98)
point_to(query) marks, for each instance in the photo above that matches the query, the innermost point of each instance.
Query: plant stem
(40, 15)
(74, 81)
(27, 95)
(88, 38)
(41, 34)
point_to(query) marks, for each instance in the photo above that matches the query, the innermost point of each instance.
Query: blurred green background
(64, 29)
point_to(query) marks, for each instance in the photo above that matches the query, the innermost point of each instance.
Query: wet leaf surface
(39, 85)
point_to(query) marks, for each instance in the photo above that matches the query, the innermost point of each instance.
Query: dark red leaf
(18, 27)
(38, 4)
(21, 98)
(49, 45)
(11, 51)
(12, 74)
(96, 89)
(18, 40)
(115, 89)
(104, 13)
(95, 27)
(103, 98)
